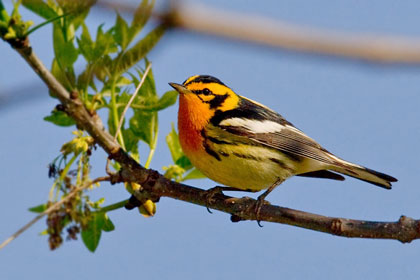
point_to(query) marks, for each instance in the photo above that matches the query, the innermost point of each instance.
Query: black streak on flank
(207, 147)
(214, 140)
(246, 156)
(223, 153)
(281, 164)
(211, 152)
(217, 141)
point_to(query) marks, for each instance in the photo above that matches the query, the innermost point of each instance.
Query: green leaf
(142, 124)
(92, 233)
(168, 99)
(184, 162)
(108, 224)
(60, 118)
(39, 208)
(141, 16)
(101, 69)
(111, 123)
(148, 89)
(173, 144)
(86, 44)
(4, 15)
(40, 8)
(78, 10)
(59, 75)
(64, 50)
(33, 29)
(97, 54)
(120, 99)
(147, 96)
(138, 51)
(130, 141)
(194, 174)
(85, 79)
(174, 172)
(121, 32)
(104, 44)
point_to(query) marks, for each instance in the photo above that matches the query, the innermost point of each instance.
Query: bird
(247, 146)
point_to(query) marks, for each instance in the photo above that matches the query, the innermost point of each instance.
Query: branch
(89, 121)
(405, 229)
(282, 35)
(156, 185)
(277, 34)
(51, 209)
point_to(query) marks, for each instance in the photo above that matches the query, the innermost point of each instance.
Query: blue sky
(363, 113)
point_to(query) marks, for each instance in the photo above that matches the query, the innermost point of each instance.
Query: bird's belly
(243, 166)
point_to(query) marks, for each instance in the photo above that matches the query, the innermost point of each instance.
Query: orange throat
(193, 116)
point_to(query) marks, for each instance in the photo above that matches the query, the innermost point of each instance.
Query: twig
(277, 34)
(113, 207)
(132, 99)
(156, 185)
(51, 209)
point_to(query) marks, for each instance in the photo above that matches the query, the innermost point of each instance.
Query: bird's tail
(365, 174)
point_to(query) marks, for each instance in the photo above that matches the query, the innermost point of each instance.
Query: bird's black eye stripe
(205, 91)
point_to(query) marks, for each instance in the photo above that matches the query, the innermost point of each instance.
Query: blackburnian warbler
(244, 145)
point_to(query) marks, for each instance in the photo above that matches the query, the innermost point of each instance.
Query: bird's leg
(210, 193)
(261, 199)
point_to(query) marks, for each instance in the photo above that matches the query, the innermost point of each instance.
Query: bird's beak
(179, 88)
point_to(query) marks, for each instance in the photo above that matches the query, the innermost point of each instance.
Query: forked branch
(156, 185)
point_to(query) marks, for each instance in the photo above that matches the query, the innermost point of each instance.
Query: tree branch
(155, 185)
(278, 34)
(405, 229)
(51, 209)
(283, 35)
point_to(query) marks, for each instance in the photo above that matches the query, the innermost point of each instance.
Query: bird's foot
(258, 205)
(210, 193)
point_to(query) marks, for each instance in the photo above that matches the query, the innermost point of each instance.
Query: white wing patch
(254, 126)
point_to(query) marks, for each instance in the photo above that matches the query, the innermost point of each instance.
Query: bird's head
(203, 92)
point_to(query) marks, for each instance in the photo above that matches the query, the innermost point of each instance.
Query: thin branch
(155, 185)
(51, 209)
(277, 34)
(283, 35)
(113, 206)
(90, 121)
(132, 99)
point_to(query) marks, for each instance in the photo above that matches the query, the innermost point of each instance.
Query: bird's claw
(210, 193)
(258, 204)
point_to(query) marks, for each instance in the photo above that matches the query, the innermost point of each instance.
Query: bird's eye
(206, 91)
